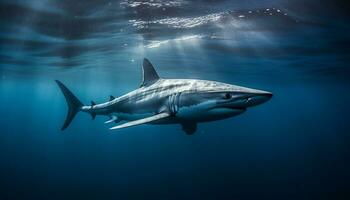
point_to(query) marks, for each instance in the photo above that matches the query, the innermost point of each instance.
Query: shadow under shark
(170, 101)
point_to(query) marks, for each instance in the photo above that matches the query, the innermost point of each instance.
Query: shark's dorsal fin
(93, 103)
(111, 97)
(150, 75)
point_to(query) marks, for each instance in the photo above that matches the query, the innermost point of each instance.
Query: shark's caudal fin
(73, 103)
(150, 75)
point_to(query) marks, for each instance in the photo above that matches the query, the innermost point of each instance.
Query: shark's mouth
(230, 110)
(235, 104)
(233, 107)
(238, 107)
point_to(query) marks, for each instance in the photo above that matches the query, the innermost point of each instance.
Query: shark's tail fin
(74, 105)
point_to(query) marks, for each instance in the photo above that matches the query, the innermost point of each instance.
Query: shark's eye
(228, 96)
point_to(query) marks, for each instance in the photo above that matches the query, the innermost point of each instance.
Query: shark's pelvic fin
(142, 121)
(150, 75)
(93, 115)
(189, 127)
(113, 119)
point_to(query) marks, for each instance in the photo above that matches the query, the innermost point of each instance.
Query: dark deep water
(296, 146)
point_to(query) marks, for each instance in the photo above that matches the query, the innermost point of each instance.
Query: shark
(158, 101)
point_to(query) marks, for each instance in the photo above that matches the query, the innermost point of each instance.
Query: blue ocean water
(296, 146)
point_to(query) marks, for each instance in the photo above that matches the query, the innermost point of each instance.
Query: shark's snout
(246, 100)
(258, 98)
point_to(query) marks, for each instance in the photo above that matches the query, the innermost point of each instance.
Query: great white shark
(169, 101)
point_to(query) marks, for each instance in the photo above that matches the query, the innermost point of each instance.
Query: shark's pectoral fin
(142, 121)
(189, 127)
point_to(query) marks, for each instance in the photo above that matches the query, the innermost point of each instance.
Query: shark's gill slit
(173, 103)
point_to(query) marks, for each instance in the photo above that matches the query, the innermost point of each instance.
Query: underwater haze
(296, 146)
